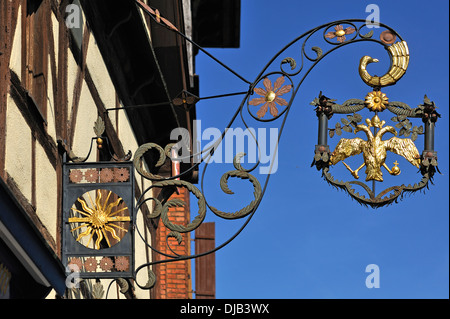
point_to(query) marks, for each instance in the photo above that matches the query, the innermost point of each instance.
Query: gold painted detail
(400, 59)
(99, 219)
(374, 150)
(395, 170)
(340, 33)
(270, 96)
(376, 101)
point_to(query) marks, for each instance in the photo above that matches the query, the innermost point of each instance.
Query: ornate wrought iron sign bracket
(269, 98)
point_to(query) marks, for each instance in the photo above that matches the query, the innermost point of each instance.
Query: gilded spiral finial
(400, 59)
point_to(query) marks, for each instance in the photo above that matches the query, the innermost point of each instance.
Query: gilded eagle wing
(404, 147)
(346, 148)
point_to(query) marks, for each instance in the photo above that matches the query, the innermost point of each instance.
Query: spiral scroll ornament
(399, 54)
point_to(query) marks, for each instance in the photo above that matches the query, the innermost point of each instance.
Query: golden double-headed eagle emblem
(374, 150)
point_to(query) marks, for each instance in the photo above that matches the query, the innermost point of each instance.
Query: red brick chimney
(174, 278)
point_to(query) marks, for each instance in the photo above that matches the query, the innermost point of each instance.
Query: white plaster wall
(100, 76)
(51, 120)
(55, 25)
(15, 62)
(18, 148)
(141, 252)
(46, 191)
(87, 114)
(72, 70)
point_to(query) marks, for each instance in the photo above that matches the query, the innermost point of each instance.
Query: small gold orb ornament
(99, 143)
(340, 33)
(270, 96)
(395, 170)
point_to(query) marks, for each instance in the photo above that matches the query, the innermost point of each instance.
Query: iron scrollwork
(269, 98)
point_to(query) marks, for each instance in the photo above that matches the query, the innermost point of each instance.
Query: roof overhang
(216, 23)
(135, 66)
(23, 239)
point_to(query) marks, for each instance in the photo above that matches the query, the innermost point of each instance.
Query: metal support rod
(323, 129)
(429, 136)
(127, 107)
(375, 131)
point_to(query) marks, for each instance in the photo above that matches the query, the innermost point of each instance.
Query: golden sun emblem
(99, 219)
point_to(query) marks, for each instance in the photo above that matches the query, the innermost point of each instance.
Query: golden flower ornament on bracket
(270, 96)
(376, 101)
(339, 33)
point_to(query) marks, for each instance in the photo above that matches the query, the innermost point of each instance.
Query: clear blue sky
(307, 239)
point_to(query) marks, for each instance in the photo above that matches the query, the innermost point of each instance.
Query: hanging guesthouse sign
(99, 204)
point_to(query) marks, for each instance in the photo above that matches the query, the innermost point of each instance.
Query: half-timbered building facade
(89, 81)
(63, 65)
